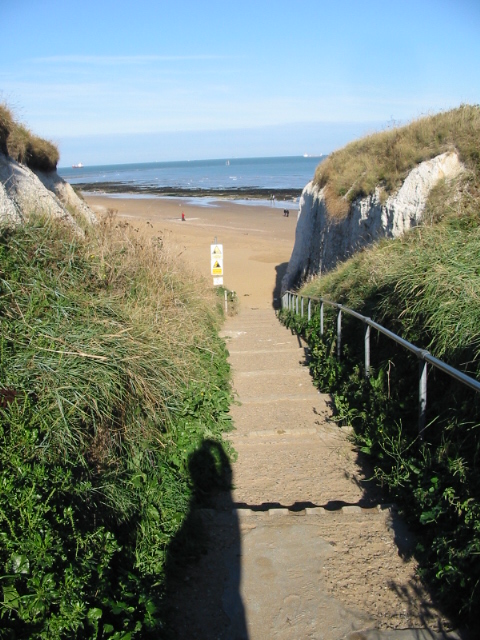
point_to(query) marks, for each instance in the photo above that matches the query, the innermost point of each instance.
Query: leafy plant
(436, 480)
(112, 376)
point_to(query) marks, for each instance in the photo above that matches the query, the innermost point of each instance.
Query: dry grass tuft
(42, 154)
(6, 126)
(23, 146)
(337, 206)
(17, 143)
(385, 159)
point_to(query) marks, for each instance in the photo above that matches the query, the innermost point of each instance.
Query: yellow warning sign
(216, 255)
(217, 267)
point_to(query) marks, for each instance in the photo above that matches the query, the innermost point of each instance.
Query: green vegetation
(231, 299)
(425, 287)
(112, 377)
(385, 159)
(23, 146)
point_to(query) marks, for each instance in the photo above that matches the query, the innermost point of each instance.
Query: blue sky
(177, 80)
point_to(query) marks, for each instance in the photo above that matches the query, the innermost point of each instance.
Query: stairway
(303, 546)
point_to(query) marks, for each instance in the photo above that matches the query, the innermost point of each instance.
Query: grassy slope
(23, 146)
(385, 159)
(112, 376)
(425, 287)
(429, 278)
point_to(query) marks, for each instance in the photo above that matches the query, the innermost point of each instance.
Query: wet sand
(257, 240)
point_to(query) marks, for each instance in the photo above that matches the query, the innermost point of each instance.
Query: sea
(240, 179)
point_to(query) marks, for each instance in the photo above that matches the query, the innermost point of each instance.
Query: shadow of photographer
(203, 571)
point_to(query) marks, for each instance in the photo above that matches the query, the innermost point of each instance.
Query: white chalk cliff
(23, 192)
(321, 241)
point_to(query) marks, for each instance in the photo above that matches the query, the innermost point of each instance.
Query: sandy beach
(257, 240)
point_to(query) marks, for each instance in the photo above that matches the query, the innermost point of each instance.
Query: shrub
(424, 287)
(113, 375)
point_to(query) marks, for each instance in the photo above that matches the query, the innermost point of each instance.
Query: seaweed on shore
(180, 192)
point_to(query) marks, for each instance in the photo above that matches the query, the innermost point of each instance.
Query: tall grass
(23, 146)
(6, 126)
(425, 284)
(112, 376)
(425, 287)
(385, 159)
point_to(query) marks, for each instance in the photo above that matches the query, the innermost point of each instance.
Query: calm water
(292, 172)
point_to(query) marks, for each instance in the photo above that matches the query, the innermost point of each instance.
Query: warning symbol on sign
(217, 267)
(216, 255)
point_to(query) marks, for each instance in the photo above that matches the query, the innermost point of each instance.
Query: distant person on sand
(183, 217)
(286, 212)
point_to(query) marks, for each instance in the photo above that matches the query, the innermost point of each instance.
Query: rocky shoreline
(181, 192)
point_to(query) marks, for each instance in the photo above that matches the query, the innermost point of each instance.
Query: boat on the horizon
(77, 166)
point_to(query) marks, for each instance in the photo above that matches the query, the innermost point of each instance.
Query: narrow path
(303, 547)
(320, 559)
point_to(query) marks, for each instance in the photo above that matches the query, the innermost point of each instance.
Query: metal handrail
(290, 301)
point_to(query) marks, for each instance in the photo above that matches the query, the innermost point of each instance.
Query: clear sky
(144, 80)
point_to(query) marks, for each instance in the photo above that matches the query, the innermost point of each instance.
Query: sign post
(216, 260)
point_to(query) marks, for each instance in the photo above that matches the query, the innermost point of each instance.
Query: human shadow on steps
(203, 572)
(281, 270)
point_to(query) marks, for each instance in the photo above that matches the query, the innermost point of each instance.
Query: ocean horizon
(238, 178)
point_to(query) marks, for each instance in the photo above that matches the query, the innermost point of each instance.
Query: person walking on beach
(183, 217)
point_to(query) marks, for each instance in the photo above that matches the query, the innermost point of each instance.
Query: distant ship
(77, 166)
(227, 163)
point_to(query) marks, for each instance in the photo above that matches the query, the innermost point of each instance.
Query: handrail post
(339, 333)
(301, 305)
(367, 351)
(422, 397)
(425, 358)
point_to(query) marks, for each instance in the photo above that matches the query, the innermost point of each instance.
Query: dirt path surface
(303, 547)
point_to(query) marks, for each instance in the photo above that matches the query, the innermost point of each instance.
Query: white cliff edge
(24, 192)
(321, 242)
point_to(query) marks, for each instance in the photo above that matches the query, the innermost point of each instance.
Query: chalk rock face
(321, 241)
(23, 192)
(65, 193)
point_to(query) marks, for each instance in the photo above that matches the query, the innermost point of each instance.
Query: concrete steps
(292, 553)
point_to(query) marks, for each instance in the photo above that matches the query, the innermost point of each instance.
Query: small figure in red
(183, 217)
